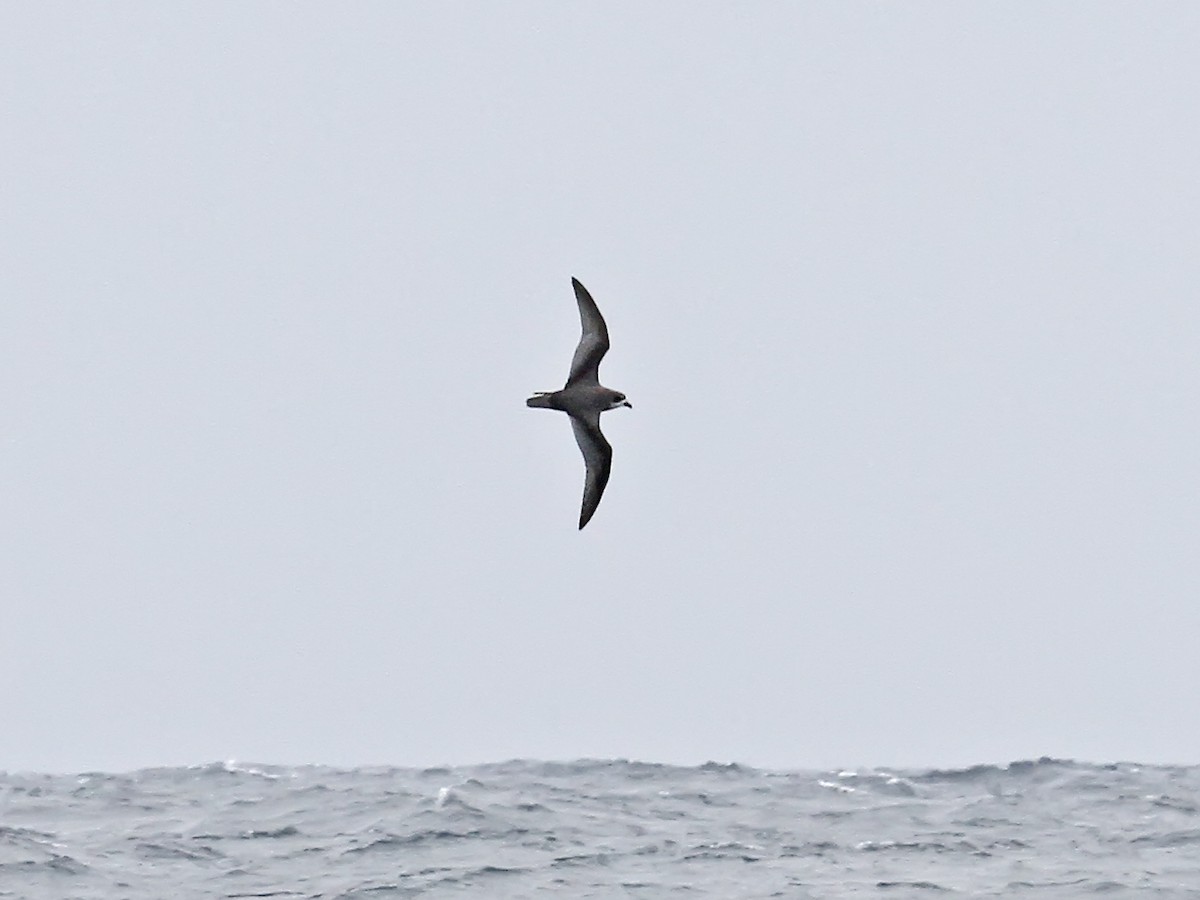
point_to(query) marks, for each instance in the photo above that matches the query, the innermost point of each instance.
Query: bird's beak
(627, 403)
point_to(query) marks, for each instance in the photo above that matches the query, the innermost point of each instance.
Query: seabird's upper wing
(597, 454)
(593, 344)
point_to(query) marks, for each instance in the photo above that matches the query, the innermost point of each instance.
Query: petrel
(583, 398)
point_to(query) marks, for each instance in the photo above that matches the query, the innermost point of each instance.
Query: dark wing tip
(592, 492)
(580, 289)
(585, 516)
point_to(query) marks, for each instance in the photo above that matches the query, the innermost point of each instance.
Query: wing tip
(585, 515)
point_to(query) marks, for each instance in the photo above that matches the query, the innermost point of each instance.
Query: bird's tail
(542, 400)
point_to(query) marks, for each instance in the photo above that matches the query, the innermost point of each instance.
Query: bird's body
(583, 398)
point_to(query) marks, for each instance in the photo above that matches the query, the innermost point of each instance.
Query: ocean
(1046, 829)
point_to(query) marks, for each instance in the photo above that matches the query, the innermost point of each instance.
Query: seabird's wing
(597, 455)
(593, 344)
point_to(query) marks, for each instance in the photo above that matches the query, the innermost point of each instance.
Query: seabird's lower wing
(597, 455)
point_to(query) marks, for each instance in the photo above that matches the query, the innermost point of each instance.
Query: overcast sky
(904, 297)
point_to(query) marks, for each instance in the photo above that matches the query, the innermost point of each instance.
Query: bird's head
(618, 399)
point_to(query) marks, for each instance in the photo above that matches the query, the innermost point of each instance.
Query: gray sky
(904, 296)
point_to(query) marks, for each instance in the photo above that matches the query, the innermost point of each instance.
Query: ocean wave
(601, 828)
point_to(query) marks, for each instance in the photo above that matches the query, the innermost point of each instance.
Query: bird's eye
(620, 397)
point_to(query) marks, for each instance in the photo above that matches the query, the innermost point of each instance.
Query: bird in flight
(583, 398)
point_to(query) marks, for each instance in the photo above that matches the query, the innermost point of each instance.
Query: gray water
(1045, 829)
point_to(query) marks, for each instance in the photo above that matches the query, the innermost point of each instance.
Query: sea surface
(1046, 829)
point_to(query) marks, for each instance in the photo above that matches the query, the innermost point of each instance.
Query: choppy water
(1045, 829)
